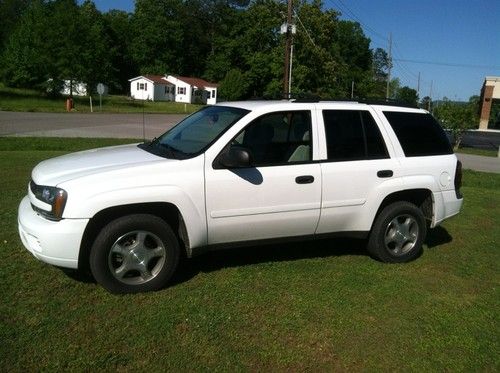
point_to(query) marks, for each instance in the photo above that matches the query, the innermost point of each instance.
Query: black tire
(398, 233)
(134, 253)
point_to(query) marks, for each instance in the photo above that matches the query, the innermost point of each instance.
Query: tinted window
(352, 135)
(278, 138)
(419, 134)
(196, 132)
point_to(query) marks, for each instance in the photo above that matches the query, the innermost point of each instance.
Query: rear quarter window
(419, 134)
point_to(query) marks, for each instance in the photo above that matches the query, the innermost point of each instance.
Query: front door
(279, 196)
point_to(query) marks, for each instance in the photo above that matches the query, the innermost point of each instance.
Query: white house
(173, 88)
(193, 90)
(149, 87)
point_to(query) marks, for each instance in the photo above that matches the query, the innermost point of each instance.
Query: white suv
(244, 172)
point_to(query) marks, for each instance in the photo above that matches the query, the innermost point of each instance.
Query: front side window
(181, 90)
(352, 135)
(196, 133)
(278, 138)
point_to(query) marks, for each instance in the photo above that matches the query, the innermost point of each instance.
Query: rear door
(356, 165)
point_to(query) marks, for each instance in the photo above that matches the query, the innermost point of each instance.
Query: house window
(213, 93)
(141, 86)
(181, 90)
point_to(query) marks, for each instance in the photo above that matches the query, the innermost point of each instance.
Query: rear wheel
(398, 233)
(134, 253)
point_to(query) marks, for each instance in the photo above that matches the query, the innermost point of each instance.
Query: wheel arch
(168, 212)
(420, 197)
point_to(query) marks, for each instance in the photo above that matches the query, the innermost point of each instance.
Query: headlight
(55, 197)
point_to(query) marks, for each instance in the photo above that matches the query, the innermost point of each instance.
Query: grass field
(12, 99)
(476, 151)
(307, 306)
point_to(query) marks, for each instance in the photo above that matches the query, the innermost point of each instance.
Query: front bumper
(53, 242)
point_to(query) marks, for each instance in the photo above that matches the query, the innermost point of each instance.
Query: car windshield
(195, 133)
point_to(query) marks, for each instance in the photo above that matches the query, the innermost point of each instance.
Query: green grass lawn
(12, 99)
(476, 151)
(306, 306)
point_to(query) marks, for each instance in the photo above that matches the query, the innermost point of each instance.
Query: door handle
(385, 173)
(305, 179)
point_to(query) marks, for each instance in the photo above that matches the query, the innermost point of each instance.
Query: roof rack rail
(368, 101)
(310, 98)
(387, 102)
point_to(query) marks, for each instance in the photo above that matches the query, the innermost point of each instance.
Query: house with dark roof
(173, 88)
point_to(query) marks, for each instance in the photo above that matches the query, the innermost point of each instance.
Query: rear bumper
(446, 205)
(56, 243)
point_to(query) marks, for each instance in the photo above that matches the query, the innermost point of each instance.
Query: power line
(403, 68)
(346, 9)
(307, 32)
(449, 64)
(397, 52)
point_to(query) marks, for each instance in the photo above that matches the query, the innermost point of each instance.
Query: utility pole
(390, 66)
(430, 98)
(288, 52)
(418, 84)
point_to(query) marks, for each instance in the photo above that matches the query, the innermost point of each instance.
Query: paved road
(85, 125)
(479, 163)
(130, 126)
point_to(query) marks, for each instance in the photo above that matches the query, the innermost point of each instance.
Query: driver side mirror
(235, 157)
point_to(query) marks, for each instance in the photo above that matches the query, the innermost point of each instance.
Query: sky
(453, 44)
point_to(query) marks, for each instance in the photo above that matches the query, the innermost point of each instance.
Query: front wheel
(398, 233)
(134, 253)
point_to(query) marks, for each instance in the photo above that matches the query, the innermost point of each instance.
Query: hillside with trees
(234, 43)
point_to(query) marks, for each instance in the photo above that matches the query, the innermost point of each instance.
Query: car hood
(74, 165)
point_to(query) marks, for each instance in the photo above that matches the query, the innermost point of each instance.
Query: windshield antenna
(143, 124)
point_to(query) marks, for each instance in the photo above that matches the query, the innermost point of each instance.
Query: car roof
(261, 104)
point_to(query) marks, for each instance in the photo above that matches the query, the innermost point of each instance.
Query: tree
(219, 40)
(119, 31)
(380, 68)
(24, 62)
(319, 67)
(64, 42)
(11, 12)
(95, 48)
(158, 43)
(407, 96)
(457, 117)
(426, 103)
(56, 41)
(233, 86)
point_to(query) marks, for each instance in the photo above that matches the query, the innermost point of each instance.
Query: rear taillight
(458, 179)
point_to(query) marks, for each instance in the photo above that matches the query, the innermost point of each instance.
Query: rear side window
(419, 134)
(352, 135)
